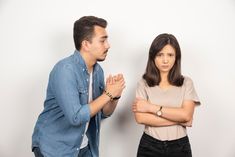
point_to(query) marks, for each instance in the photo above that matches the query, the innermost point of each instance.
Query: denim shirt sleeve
(67, 95)
(102, 87)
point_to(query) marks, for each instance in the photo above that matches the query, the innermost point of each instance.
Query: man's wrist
(109, 95)
(117, 98)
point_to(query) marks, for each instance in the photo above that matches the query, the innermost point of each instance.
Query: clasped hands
(115, 85)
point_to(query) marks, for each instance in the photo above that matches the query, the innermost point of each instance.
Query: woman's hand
(187, 124)
(142, 105)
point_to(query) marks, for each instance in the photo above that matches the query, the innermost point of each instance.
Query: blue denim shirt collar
(79, 59)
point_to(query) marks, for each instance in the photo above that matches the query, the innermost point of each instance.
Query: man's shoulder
(65, 63)
(66, 60)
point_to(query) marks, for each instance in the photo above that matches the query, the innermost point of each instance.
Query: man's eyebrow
(104, 37)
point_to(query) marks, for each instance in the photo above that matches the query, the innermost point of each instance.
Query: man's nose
(107, 46)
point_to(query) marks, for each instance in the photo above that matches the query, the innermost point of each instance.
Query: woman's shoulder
(142, 82)
(187, 80)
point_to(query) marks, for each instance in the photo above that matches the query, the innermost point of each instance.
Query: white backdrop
(35, 34)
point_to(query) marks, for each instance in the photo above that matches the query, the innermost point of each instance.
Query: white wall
(35, 34)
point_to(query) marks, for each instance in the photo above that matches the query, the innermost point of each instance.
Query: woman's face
(165, 59)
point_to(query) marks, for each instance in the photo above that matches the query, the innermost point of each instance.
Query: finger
(115, 78)
(121, 82)
(123, 87)
(136, 100)
(107, 79)
(134, 109)
(110, 79)
(139, 98)
(120, 76)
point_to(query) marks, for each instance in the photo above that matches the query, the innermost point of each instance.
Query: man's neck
(88, 61)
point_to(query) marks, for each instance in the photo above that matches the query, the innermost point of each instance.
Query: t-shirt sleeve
(141, 90)
(190, 92)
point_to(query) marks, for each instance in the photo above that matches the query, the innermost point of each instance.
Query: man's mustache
(106, 51)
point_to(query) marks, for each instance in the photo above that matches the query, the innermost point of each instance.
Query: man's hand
(115, 85)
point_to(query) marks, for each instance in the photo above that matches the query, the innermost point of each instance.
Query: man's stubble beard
(101, 60)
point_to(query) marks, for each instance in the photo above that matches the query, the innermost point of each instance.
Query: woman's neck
(164, 80)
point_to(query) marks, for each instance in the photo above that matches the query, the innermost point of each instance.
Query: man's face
(99, 45)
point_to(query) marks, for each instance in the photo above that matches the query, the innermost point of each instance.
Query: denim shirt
(60, 127)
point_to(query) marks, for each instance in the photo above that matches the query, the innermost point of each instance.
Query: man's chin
(100, 59)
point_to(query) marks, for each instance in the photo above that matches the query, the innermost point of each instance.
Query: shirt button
(77, 148)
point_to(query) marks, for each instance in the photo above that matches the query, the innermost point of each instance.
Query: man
(77, 97)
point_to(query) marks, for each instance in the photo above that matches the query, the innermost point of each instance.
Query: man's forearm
(98, 104)
(109, 108)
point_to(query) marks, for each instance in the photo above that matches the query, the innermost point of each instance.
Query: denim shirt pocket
(102, 88)
(83, 95)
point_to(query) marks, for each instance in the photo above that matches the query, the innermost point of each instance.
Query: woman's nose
(165, 59)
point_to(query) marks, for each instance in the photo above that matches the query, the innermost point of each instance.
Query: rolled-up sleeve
(190, 92)
(141, 90)
(67, 95)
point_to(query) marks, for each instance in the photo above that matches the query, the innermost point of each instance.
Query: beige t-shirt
(172, 97)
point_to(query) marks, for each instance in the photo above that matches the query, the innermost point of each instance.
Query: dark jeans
(37, 152)
(151, 147)
(84, 152)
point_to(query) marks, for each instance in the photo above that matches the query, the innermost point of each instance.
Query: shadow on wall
(122, 135)
(125, 118)
(29, 103)
(122, 127)
(35, 91)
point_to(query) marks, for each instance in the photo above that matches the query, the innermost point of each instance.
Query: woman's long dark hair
(152, 74)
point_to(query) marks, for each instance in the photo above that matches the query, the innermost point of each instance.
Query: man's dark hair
(152, 74)
(84, 28)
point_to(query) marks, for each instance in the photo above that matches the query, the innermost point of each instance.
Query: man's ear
(85, 45)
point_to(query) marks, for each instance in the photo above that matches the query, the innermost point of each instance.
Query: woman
(165, 102)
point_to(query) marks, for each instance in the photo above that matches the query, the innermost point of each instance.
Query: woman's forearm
(178, 114)
(152, 120)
